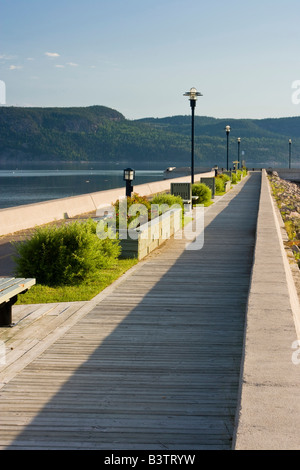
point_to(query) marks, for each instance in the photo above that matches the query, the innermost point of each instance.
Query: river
(27, 186)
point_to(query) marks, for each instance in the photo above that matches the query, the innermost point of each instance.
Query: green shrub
(145, 210)
(203, 192)
(121, 211)
(220, 182)
(167, 200)
(220, 185)
(233, 178)
(224, 177)
(64, 255)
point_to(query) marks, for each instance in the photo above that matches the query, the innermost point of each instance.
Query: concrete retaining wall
(30, 215)
(268, 417)
(151, 235)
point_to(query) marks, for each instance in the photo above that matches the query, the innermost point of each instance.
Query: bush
(144, 212)
(224, 177)
(169, 200)
(203, 192)
(220, 185)
(132, 221)
(220, 182)
(64, 255)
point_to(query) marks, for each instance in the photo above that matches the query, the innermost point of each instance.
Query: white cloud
(7, 57)
(52, 54)
(15, 67)
(72, 64)
(60, 66)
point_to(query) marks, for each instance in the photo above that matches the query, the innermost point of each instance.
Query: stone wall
(287, 195)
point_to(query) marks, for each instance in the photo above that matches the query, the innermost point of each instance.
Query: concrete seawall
(30, 215)
(269, 412)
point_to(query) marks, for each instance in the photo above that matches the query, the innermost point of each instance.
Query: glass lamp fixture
(128, 174)
(193, 94)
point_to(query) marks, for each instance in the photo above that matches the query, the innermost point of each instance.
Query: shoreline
(30, 215)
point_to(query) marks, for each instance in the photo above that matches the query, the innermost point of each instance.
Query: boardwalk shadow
(156, 365)
(7, 265)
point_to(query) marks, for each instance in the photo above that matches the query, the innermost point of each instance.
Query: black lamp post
(193, 94)
(227, 128)
(128, 176)
(239, 145)
(290, 153)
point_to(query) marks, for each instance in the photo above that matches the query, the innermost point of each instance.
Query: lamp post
(227, 129)
(239, 145)
(128, 176)
(290, 153)
(193, 94)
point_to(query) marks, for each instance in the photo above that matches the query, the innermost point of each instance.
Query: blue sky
(139, 57)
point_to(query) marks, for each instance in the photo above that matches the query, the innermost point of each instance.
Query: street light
(227, 128)
(193, 94)
(239, 145)
(290, 153)
(128, 176)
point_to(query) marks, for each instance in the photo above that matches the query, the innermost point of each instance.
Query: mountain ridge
(102, 134)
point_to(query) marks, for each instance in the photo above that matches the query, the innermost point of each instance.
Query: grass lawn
(40, 294)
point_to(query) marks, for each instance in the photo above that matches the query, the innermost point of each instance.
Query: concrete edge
(293, 300)
(239, 402)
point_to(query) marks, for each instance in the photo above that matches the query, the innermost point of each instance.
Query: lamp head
(193, 94)
(128, 174)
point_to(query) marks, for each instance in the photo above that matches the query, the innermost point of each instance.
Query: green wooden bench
(10, 288)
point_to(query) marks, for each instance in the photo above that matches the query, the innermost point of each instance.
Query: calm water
(27, 186)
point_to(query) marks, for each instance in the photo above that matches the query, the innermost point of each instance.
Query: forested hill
(101, 134)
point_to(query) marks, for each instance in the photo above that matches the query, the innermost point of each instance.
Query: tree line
(101, 134)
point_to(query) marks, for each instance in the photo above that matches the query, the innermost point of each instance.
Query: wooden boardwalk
(155, 364)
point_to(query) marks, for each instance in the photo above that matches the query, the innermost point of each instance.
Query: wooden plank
(155, 364)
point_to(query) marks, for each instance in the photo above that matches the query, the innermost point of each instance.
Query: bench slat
(8, 282)
(14, 287)
(4, 281)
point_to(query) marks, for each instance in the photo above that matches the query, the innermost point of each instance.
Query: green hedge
(168, 200)
(64, 255)
(203, 192)
(220, 183)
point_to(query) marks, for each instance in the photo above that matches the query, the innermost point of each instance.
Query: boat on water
(176, 172)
